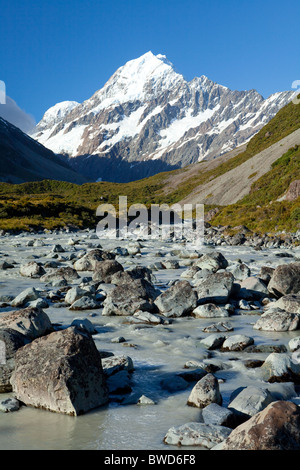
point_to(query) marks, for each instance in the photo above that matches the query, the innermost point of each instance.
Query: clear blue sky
(56, 50)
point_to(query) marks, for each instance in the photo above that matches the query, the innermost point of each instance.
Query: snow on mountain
(148, 118)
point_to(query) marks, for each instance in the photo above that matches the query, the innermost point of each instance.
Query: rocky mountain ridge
(147, 118)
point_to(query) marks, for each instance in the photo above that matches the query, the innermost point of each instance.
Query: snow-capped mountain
(148, 118)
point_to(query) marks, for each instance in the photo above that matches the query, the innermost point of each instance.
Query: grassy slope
(52, 204)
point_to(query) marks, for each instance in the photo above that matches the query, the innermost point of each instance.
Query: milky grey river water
(161, 351)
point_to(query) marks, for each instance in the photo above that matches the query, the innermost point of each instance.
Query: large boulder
(60, 372)
(253, 288)
(274, 428)
(250, 400)
(32, 269)
(128, 298)
(215, 288)
(31, 322)
(88, 261)
(277, 320)
(105, 269)
(180, 299)
(285, 280)
(212, 261)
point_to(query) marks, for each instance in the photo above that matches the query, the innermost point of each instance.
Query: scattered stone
(180, 299)
(32, 269)
(126, 299)
(237, 343)
(9, 405)
(253, 288)
(212, 261)
(241, 272)
(113, 364)
(210, 311)
(290, 303)
(265, 274)
(294, 344)
(197, 434)
(84, 303)
(65, 273)
(105, 269)
(217, 415)
(118, 339)
(205, 391)
(220, 327)
(143, 400)
(25, 296)
(73, 294)
(213, 341)
(84, 324)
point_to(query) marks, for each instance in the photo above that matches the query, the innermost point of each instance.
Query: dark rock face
(23, 159)
(60, 372)
(275, 428)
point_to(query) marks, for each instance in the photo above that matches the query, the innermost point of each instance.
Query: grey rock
(9, 405)
(213, 341)
(205, 391)
(253, 288)
(25, 296)
(285, 280)
(251, 400)
(210, 311)
(217, 415)
(60, 372)
(32, 269)
(237, 343)
(215, 288)
(178, 300)
(197, 434)
(31, 322)
(280, 367)
(104, 270)
(277, 320)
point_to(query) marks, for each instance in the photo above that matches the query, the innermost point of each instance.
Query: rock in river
(60, 372)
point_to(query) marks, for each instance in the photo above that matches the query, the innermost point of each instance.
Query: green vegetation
(260, 210)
